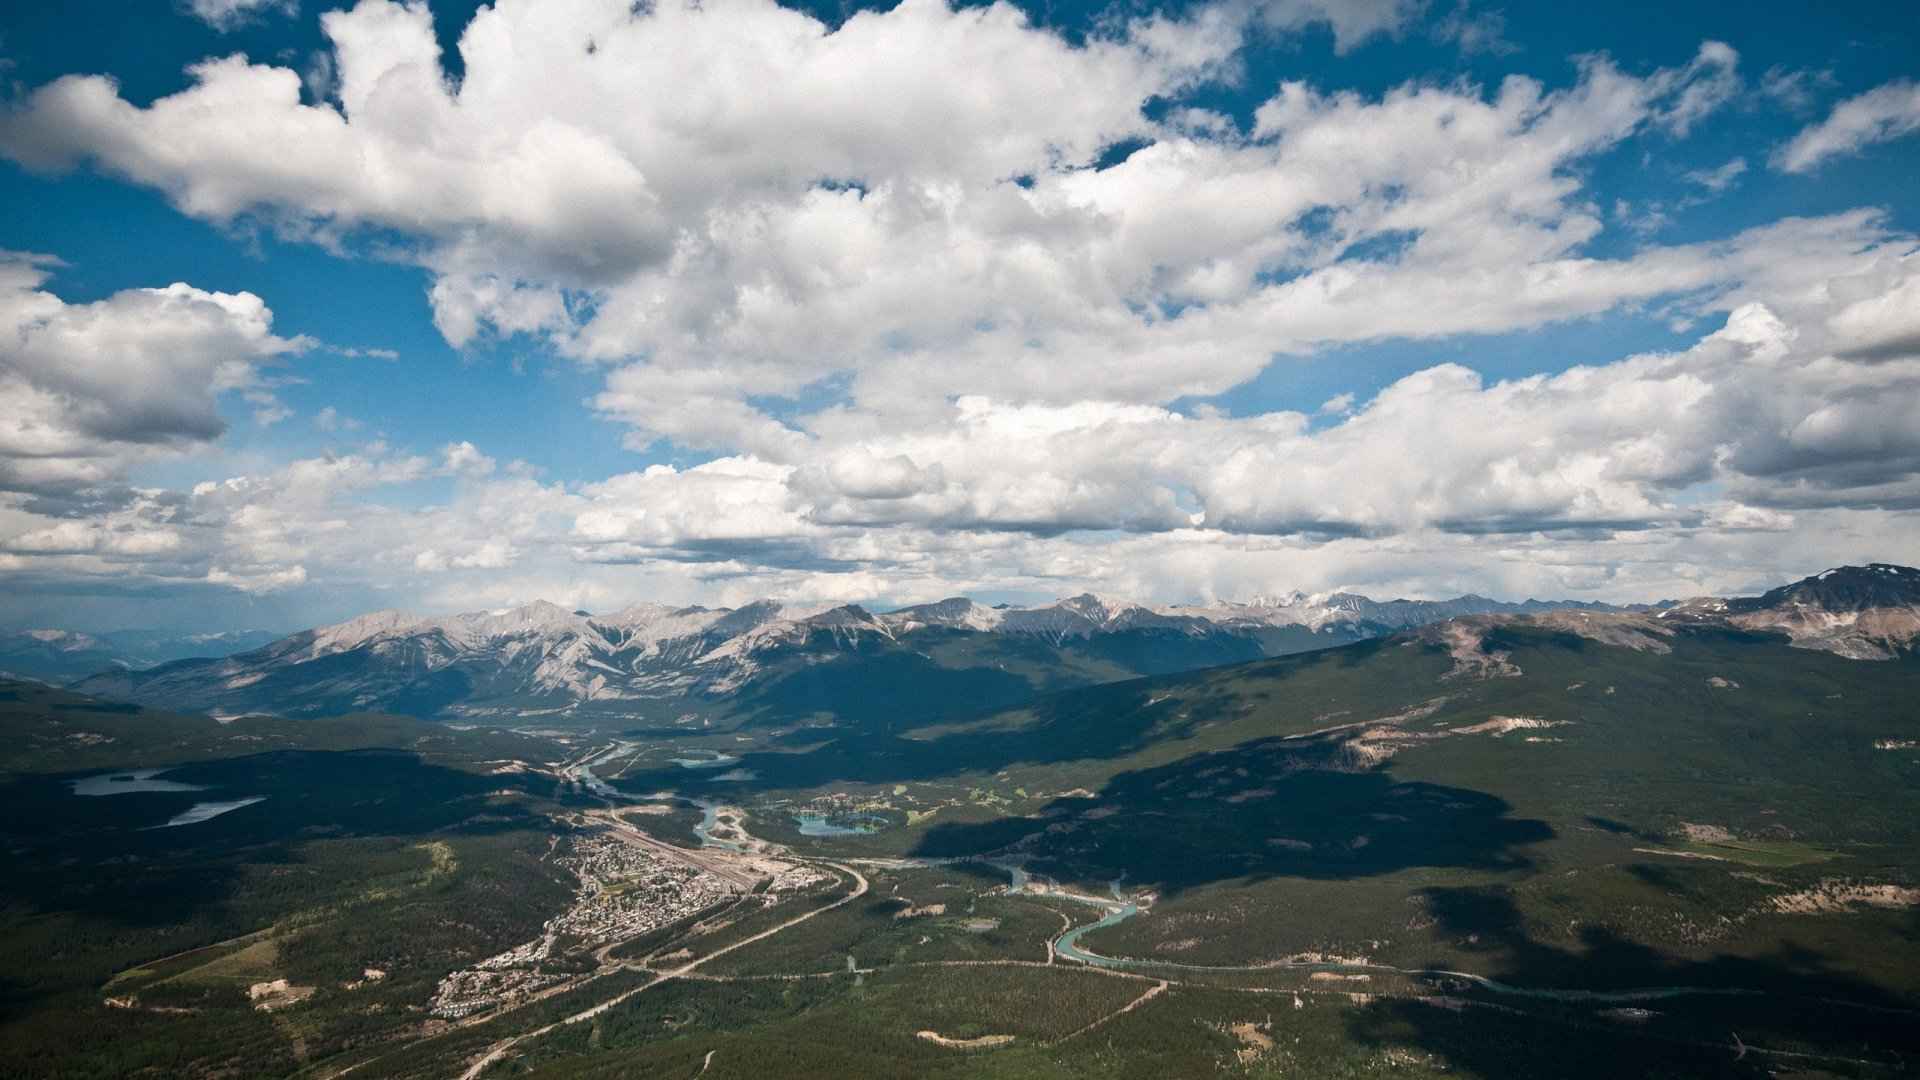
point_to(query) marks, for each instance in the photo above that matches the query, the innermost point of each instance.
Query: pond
(839, 824)
(128, 782)
(206, 811)
(715, 760)
(147, 782)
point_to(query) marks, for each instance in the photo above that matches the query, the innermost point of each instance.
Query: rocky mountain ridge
(1867, 612)
(676, 663)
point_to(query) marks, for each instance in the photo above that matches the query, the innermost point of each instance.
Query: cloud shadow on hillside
(1091, 724)
(1786, 996)
(1267, 808)
(100, 857)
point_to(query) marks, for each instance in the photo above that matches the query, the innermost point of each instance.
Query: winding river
(1119, 909)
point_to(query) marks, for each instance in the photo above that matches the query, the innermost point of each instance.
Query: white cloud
(1475, 31)
(252, 580)
(491, 555)
(653, 512)
(224, 15)
(1803, 398)
(90, 537)
(1541, 485)
(1884, 326)
(316, 479)
(355, 352)
(330, 419)
(1353, 22)
(268, 409)
(1702, 87)
(1793, 88)
(87, 388)
(268, 531)
(897, 213)
(1719, 179)
(1880, 115)
(734, 210)
(318, 76)
(583, 165)
(465, 459)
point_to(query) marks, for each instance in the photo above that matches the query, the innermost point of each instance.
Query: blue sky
(861, 479)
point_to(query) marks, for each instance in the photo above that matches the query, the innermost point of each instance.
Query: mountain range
(58, 656)
(1492, 822)
(773, 664)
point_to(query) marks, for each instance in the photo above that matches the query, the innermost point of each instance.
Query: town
(625, 890)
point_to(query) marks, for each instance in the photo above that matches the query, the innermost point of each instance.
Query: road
(1153, 991)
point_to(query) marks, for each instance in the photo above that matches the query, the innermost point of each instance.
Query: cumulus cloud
(88, 537)
(465, 459)
(269, 531)
(1879, 115)
(87, 388)
(560, 144)
(1803, 397)
(1589, 482)
(1884, 326)
(723, 502)
(933, 339)
(897, 213)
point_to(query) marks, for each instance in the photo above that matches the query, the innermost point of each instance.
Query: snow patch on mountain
(543, 655)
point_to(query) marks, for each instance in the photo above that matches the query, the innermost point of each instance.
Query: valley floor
(1570, 860)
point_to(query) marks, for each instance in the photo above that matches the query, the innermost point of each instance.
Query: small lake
(128, 782)
(206, 811)
(147, 781)
(716, 761)
(847, 825)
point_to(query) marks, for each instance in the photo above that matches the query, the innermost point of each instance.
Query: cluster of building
(786, 877)
(626, 890)
(470, 991)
